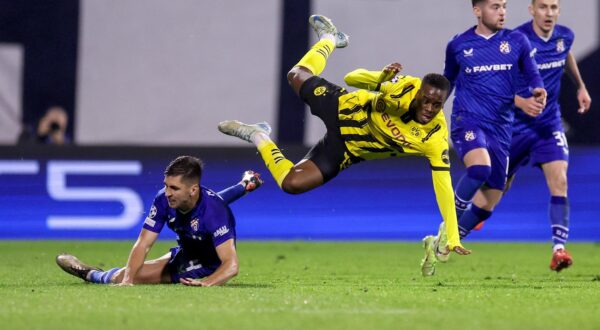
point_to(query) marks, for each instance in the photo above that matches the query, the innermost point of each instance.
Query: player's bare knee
(297, 76)
(293, 185)
(558, 185)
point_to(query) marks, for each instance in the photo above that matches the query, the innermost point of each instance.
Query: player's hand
(390, 71)
(191, 282)
(584, 99)
(461, 250)
(540, 95)
(530, 105)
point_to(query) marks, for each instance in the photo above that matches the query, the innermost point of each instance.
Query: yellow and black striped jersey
(377, 125)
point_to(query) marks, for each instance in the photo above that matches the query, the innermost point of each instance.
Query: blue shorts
(467, 136)
(181, 266)
(538, 147)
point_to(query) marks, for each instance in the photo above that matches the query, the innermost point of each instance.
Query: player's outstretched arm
(250, 182)
(442, 185)
(137, 255)
(226, 271)
(371, 80)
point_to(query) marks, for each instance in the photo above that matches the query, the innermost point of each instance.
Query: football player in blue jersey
(205, 227)
(483, 64)
(541, 140)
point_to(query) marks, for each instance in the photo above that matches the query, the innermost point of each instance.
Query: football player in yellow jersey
(401, 117)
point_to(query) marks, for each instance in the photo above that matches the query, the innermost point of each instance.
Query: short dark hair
(190, 168)
(436, 80)
(476, 2)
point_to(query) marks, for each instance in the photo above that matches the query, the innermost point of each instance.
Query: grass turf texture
(308, 285)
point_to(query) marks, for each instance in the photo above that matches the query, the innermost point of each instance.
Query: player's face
(545, 14)
(179, 193)
(429, 102)
(492, 14)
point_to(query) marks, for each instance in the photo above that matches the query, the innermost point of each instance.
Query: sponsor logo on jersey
(468, 52)
(150, 222)
(415, 131)
(152, 212)
(194, 224)
(560, 45)
(445, 157)
(504, 47)
(320, 90)
(532, 52)
(221, 231)
(489, 68)
(395, 131)
(552, 65)
(469, 136)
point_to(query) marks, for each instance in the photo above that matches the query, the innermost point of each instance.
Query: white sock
(328, 36)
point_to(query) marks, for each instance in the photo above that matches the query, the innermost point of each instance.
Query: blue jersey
(484, 72)
(551, 57)
(199, 231)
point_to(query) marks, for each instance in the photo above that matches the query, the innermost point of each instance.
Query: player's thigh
(154, 271)
(551, 153)
(478, 156)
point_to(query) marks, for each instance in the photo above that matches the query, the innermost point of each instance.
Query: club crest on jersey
(320, 90)
(469, 136)
(415, 131)
(194, 224)
(504, 47)
(380, 105)
(468, 52)
(152, 212)
(560, 45)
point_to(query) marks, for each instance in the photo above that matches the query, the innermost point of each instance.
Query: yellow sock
(278, 165)
(316, 58)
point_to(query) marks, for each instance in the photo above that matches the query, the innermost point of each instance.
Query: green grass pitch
(310, 285)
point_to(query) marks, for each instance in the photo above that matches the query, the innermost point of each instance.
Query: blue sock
(101, 277)
(470, 219)
(559, 219)
(468, 185)
(233, 193)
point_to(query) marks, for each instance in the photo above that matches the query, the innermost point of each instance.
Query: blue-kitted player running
(541, 140)
(205, 227)
(483, 64)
